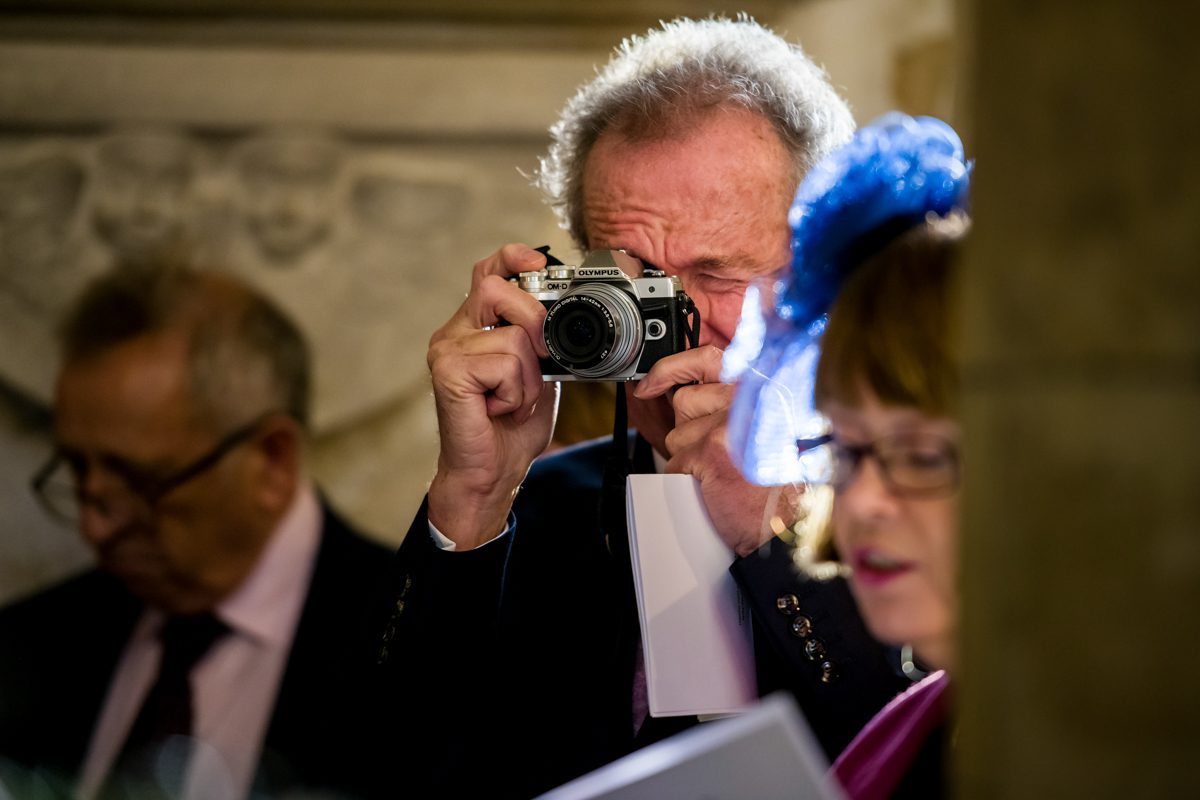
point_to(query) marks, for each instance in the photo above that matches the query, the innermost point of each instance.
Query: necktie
(154, 758)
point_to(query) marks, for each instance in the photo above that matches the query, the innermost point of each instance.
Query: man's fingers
(512, 259)
(507, 339)
(493, 301)
(702, 438)
(533, 386)
(694, 402)
(495, 380)
(497, 364)
(701, 364)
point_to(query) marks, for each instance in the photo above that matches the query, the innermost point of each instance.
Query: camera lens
(594, 331)
(578, 331)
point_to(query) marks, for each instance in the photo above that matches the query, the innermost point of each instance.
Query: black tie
(154, 759)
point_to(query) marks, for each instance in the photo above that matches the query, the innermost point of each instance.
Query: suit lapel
(82, 666)
(331, 632)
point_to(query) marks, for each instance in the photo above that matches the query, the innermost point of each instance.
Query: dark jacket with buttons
(811, 641)
(532, 639)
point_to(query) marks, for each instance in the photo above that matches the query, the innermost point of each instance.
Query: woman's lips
(875, 567)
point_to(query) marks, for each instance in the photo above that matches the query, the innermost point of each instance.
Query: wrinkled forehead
(728, 177)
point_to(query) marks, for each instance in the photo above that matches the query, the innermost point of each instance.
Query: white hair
(676, 72)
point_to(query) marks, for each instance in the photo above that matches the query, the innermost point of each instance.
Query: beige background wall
(450, 102)
(1081, 563)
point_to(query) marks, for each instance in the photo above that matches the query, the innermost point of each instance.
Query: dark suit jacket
(59, 649)
(534, 637)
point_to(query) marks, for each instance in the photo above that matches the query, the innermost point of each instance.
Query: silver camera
(603, 325)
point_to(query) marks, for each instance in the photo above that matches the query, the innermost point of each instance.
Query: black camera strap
(551, 260)
(692, 314)
(617, 466)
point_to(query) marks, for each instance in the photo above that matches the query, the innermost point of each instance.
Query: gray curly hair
(679, 71)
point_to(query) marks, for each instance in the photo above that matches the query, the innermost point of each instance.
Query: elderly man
(685, 152)
(203, 657)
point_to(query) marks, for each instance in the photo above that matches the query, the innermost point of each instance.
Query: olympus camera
(604, 325)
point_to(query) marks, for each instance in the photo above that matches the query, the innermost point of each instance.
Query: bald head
(244, 355)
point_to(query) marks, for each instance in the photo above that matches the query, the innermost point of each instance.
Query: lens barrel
(594, 331)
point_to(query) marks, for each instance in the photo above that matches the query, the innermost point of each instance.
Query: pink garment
(881, 754)
(235, 685)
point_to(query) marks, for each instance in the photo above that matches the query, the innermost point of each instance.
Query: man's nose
(99, 521)
(104, 509)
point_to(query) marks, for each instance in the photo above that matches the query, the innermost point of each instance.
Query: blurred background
(353, 158)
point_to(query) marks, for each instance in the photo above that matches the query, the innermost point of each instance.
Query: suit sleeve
(427, 673)
(507, 670)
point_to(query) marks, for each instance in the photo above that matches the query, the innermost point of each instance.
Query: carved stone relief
(348, 237)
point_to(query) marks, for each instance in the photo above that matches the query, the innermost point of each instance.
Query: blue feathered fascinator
(891, 176)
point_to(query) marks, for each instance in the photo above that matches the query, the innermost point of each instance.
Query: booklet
(768, 753)
(695, 627)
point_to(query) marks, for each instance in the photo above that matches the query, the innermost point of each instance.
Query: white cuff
(444, 543)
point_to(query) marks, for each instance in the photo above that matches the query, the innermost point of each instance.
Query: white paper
(695, 628)
(767, 753)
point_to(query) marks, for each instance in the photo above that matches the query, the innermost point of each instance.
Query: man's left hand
(696, 446)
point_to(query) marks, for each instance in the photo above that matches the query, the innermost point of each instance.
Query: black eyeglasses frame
(859, 452)
(148, 489)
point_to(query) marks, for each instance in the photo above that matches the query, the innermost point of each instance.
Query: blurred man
(204, 656)
(684, 152)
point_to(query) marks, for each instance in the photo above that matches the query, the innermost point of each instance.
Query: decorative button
(400, 606)
(828, 673)
(815, 650)
(801, 626)
(787, 604)
(389, 632)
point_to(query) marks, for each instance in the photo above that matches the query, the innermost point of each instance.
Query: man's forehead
(141, 386)
(736, 264)
(712, 202)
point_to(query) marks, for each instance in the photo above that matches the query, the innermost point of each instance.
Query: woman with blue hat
(847, 379)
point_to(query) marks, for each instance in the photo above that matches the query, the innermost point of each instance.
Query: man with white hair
(685, 152)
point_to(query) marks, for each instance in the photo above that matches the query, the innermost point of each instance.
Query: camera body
(603, 325)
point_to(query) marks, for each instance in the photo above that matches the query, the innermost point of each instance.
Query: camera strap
(693, 329)
(617, 466)
(551, 260)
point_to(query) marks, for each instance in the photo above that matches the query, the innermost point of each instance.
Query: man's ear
(279, 448)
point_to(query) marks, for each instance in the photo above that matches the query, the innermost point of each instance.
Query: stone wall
(355, 169)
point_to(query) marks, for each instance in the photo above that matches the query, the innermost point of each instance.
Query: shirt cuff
(443, 543)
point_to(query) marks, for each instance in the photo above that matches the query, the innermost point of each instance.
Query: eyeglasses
(57, 484)
(912, 464)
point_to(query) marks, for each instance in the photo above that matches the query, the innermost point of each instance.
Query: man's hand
(495, 415)
(696, 446)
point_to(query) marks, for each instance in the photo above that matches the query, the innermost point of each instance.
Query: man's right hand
(495, 415)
